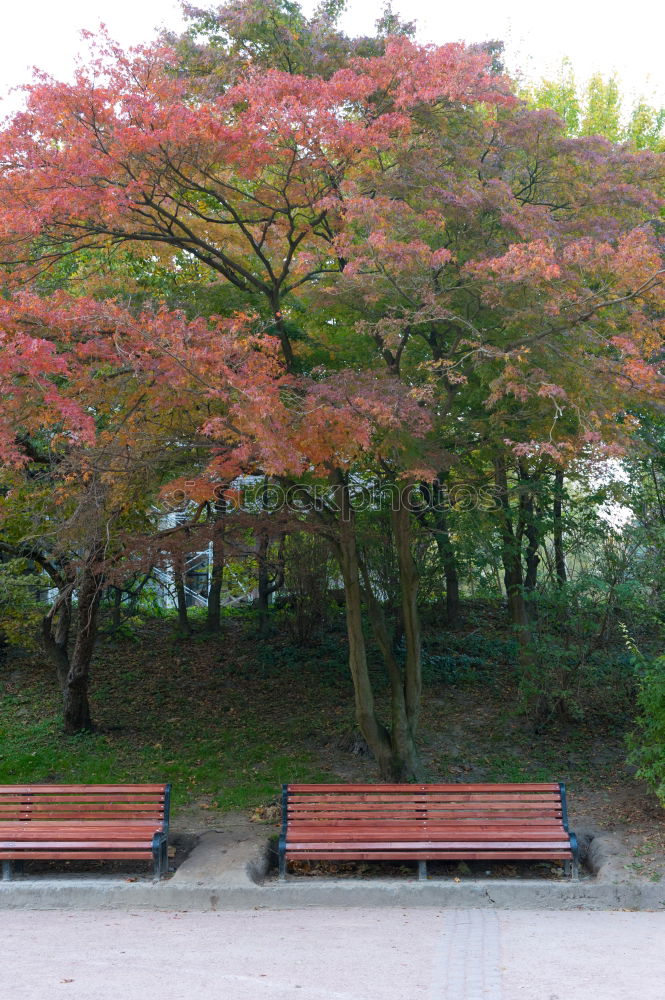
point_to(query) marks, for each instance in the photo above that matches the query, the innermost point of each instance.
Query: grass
(195, 722)
(236, 769)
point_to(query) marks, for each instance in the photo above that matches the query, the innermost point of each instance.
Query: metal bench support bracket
(282, 835)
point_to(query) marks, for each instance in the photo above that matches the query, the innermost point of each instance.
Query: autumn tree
(248, 181)
(519, 274)
(92, 430)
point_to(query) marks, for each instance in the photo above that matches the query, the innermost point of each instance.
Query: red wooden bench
(516, 822)
(84, 822)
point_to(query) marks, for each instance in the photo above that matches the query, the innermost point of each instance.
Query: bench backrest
(90, 803)
(519, 804)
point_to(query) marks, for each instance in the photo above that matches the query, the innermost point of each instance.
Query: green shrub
(128, 628)
(647, 741)
(571, 681)
(20, 612)
(308, 571)
(492, 649)
(452, 668)
(455, 659)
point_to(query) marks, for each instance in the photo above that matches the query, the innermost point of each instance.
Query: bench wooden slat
(460, 810)
(321, 802)
(407, 802)
(432, 855)
(55, 814)
(86, 808)
(101, 824)
(414, 817)
(101, 855)
(300, 840)
(415, 791)
(48, 789)
(46, 837)
(58, 805)
(62, 844)
(396, 807)
(387, 823)
(413, 788)
(73, 791)
(474, 843)
(137, 829)
(87, 805)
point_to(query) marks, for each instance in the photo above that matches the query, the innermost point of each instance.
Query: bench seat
(84, 822)
(513, 822)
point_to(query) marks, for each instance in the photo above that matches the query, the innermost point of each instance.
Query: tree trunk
(268, 582)
(403, 764)
(263, 582)
(511, 556)
(559, 555)
(375, 733)
(55, 632)
(529, 527)
(408, 578)
(76, 707)
(447, 554)
(115, 610)
(267, 585)
(532, 561)
(436, 497)
(393, 750)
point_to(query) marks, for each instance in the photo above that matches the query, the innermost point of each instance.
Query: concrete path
(340, 954)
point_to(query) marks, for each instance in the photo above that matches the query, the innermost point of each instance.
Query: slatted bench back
(386, 804)
(59, 804)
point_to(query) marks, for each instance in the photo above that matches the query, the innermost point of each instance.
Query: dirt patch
(633, 817)
(456, 871)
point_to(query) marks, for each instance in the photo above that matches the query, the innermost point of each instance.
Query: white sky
(593, 34)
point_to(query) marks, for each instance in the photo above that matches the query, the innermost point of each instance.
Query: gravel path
(341, 954)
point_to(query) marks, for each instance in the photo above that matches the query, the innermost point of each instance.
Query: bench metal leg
(422, 871)
(160, 855)
(281, 847)
(7, 871)
(572, 869)
(574, 865)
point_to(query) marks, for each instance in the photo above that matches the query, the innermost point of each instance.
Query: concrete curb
(199, 885)
(232, 894)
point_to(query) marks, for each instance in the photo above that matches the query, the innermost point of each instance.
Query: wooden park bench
(84, 822)
(516, 822)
